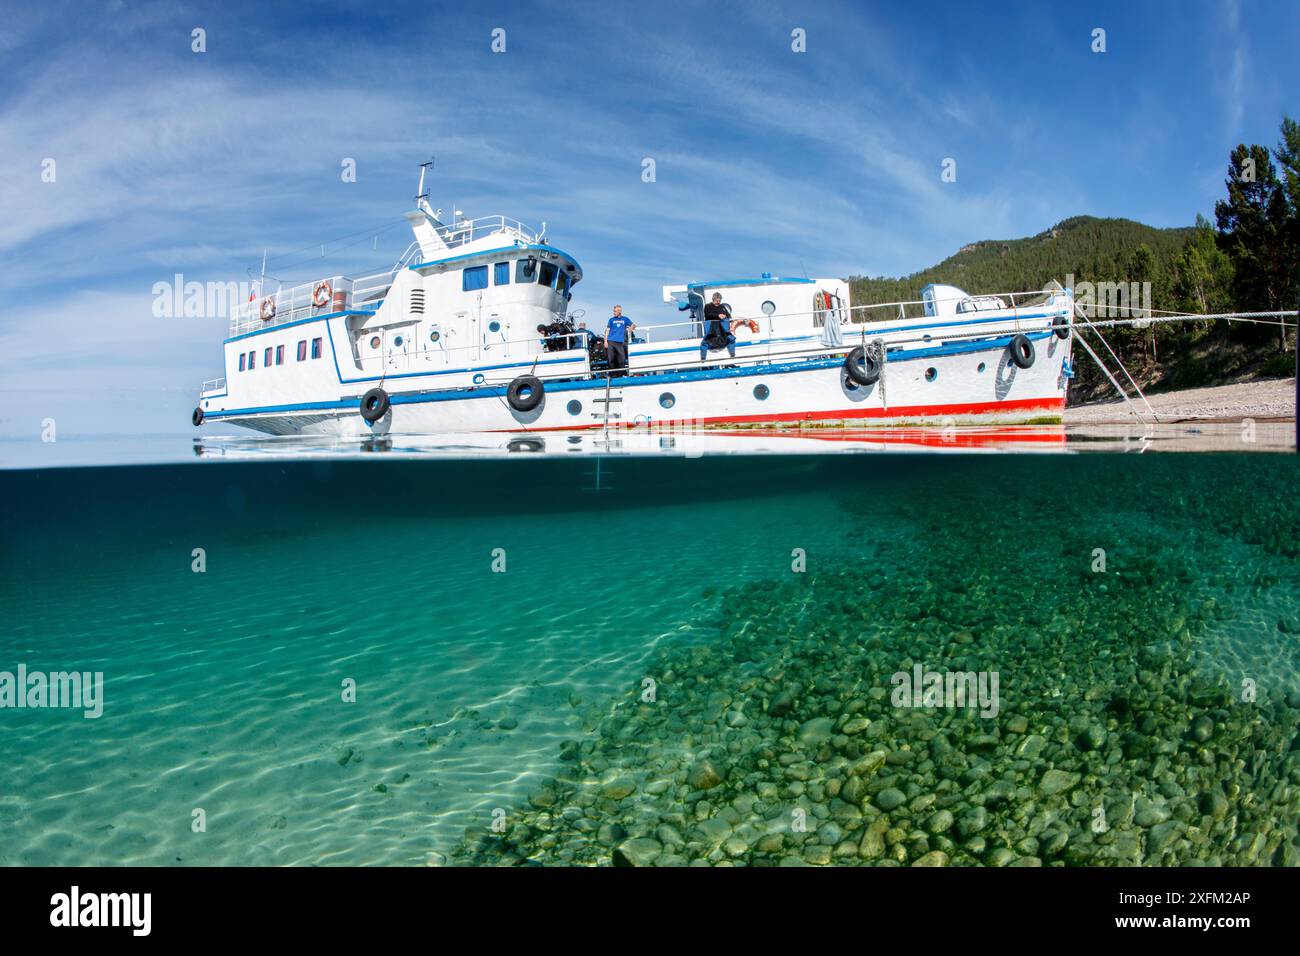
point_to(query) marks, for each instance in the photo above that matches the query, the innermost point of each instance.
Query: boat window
(501, 273)
(474, 278)
(548, 274)
(242, 359)
(302, 350)
(315, 348)
(526, 270)
(266, 357)
(279, 355)
(252, 360)
(562, 286)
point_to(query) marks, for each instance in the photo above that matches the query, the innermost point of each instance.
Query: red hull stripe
(1053, 405)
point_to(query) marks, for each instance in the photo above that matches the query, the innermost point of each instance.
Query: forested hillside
(1247, 260)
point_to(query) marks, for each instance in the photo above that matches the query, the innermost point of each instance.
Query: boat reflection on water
(649, 442)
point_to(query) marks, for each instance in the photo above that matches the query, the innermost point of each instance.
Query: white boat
(448, 340)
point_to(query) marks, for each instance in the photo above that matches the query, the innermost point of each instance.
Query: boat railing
(295, 302)
(213, 385)
(1015, 303)
(464, 231)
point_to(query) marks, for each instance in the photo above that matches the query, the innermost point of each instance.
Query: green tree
(1254, 228)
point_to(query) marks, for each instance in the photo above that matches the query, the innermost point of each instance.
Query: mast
(422, 197)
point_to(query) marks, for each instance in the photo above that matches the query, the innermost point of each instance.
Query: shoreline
(1263, 400)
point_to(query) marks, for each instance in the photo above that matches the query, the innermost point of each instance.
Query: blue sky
(825, 163)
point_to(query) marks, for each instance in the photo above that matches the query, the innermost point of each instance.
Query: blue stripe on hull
(637, 381)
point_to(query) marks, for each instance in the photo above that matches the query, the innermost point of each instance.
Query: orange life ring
(737, 323)
(268, 308)
(320, 294)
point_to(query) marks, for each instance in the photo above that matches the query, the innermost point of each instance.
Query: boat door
(473, 351)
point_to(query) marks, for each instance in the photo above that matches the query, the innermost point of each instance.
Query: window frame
(500, 269)
(302, 350)
(317, 347)
(473, 271)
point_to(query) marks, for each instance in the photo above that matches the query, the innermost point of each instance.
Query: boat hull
(952, 384)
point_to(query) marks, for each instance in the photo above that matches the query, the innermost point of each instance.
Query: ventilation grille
(417, 302)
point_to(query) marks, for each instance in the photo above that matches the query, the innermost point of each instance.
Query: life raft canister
(861, 366)
(320, 294)
(268, 308)
(525, 393)
(1022, 351)
(375, 405)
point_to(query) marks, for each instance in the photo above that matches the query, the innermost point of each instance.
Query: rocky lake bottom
(964, 660)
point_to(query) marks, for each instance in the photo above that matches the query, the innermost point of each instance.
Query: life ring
(1061, 326)
(197, 417)
(375, 405)
(268, 308)
(320, 293)
(1022, 351)
(861, 366)
(750, 323)
(525, 393)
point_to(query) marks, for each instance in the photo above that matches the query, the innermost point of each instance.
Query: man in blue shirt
(617, 332)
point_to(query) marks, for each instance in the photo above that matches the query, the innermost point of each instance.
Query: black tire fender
(197, 417)
(1022, 351)
(861, 366)
(525, 393)
(375, 405)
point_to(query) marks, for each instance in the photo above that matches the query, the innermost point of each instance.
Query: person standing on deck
(617, 331)
(717, 328)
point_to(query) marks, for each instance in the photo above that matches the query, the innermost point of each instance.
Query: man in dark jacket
(717, 328)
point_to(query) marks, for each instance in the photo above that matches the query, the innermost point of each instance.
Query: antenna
(424, 168)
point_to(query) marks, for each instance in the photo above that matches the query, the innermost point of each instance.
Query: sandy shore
(1271, 399)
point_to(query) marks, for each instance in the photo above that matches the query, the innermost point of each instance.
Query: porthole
(667, 400)
(925, 338)
(435, 335)
(494, 326)
(574, 406)
(761, 392)
(981, 368)
(931, 374)
(479, 379)
(398, 342)
(769, 307)
(374, 341)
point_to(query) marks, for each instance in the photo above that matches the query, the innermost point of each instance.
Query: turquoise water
(501, 619)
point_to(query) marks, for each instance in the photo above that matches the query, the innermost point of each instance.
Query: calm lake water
(558, 656)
